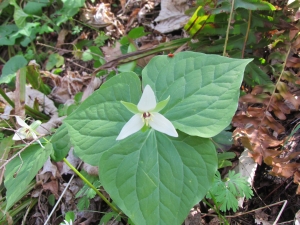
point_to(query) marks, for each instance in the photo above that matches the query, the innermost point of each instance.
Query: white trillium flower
(27, 131)
(146, 114)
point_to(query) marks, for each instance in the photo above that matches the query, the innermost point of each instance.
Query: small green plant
(225, 192)
(69, 218)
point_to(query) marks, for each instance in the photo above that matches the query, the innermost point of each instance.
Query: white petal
(19, 135)
(21, 122)
(162, 124)
(133, 125)
(147, 101)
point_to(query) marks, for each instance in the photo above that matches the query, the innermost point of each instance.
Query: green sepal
(131, 107)
(144, 128)
(35, 124)
(161, 104)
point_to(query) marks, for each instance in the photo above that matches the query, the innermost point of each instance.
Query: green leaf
(100, 39)
(6, 32)
(70, 216)
(83, 203)
(34, 78)
(20, 17)
(69, 9)
(51, 200)
(55, 60)
(11, 67)
(223, 141)
(223, 159)
(226, 192)
(34, 7)
(127, 67)
(156, 179)
(61, 143)
(137, 33)
(86, 55)
(108, 216)
(94, 127)
(225, 6)
(255, 76)
(253, 5)
(204, 87)
(21, 170)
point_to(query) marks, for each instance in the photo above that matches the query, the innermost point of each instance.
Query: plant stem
(247, 33)
(91, 186)
(228, 27)
(2, 60)
(216, 209)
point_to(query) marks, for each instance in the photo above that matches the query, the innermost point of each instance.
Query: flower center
(26, 132)
(146, 117)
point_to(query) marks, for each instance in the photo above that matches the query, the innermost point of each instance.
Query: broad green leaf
(21, 170)
(11, 67)
(69, 9)
(61, 143)
(156, 179)
(29, 29)
(6, 32)
(253, 5)
(130, 65)
(95, 125)
(86, 55)
(20, 17)
(70, 216)
(137, 33)
(225, 6)
(34, 7)
(223, 141)
(55, 60)
(203, 90)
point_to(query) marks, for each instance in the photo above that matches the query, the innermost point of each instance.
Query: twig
(247, 33)
(69, 60)
(267, 206)
(269, 103)
(228, 27)
(60, 197)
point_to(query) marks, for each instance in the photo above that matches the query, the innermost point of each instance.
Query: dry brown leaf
(53, 187)
(284, 92)
(284, 170)
(61, 37)
(64, 88)
(287, 158)
(293, 62)
(269, 155)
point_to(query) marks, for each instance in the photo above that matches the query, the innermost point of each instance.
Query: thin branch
(228, 28)
(247, 33)
(271, 98)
